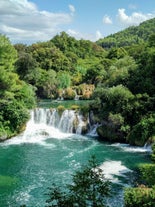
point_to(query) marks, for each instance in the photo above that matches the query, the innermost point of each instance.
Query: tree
(64, 80)
(88, 188)
(8, 54)
(26, 67)
(121, 70)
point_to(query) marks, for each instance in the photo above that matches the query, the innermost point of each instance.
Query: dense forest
(117, 73)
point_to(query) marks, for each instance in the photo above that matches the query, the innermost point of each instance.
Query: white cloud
(92, 37)
(22, 21)
(107, 20)
(72, 9)
(134, 19)
(98, 35)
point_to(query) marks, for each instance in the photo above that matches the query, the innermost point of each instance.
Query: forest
(117, 73)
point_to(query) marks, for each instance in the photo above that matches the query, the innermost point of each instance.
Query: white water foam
(37, 133)
(129, 148)
(48, 123)
(93, 130)
(112, 169)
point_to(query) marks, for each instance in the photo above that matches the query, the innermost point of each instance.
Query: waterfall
(69, 121)
(76, 96)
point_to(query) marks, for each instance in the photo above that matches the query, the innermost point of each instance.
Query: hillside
(132, 35)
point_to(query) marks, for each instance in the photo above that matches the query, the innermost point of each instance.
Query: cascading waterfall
(69, 121)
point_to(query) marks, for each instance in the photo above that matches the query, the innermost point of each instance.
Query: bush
(139, 197)
(142, 131)
(60, 109)
(13, 116)
(75, 107)
(69, 94)
(153, 153)
(147, 172)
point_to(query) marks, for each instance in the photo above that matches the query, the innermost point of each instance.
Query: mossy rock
(75, 107)
(109, 134)
(60, 109)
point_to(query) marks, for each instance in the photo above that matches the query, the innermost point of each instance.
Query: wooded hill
(130, 36)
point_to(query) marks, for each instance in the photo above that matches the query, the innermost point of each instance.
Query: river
(46, 154)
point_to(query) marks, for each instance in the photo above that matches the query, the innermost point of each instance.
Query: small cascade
(54, 118)
(76, 98)
(148, 147)
(69, 121)
(80, 125)
(93, 130)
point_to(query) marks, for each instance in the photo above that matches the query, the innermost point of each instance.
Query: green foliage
(64, 80)
(26, 67)
(16, 96)
(153, 152)
(75, 107)
(142, 131)
(13, 116)
(120, 71)
(88, 188)
(112, 129)
(60, 109)
(8, 54)
(116, 99)
(140, 196)
(147, 172)
(130, 36)
(26, 95)
(46, 84)
(69, 94)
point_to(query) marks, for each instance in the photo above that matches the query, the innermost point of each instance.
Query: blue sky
(29, 21)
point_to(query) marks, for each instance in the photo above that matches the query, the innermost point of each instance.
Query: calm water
(31, 162)
(47, 103)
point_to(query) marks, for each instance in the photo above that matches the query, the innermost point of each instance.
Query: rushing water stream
(49, 152)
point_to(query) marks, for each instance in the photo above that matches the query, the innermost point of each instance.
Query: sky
(30, 21)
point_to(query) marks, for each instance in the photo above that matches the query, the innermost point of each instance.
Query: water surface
(31, 162)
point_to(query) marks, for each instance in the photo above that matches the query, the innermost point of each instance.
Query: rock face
(83, 92)
(108, 133)
(3, 137)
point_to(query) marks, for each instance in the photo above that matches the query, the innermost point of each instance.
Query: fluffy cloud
(107, 20)
(135, 18)
(93, 37)
(21, 21)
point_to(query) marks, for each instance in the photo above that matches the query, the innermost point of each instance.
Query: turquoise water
(28, 169)
(47, 103)
(43, 155)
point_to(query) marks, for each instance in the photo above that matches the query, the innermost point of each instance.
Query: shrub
(13, 116)
(75, 107)
(147, 172)
(139, 197)
(142, 131)
(153, 153)
(60, 109)
(69, 94)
